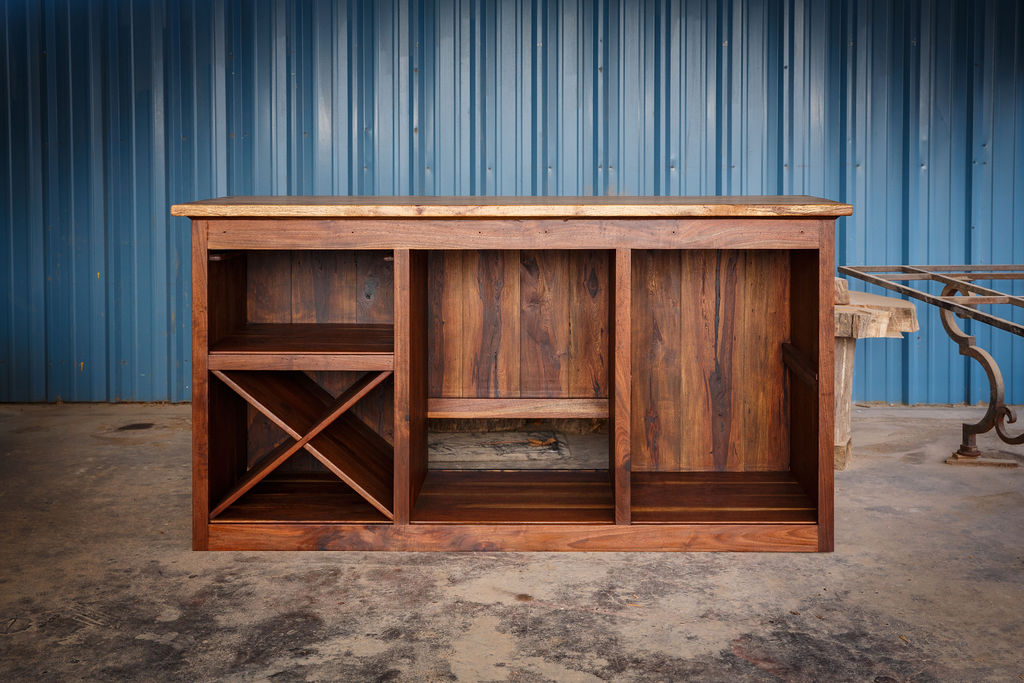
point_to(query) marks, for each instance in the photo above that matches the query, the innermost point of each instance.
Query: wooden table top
(512, 207)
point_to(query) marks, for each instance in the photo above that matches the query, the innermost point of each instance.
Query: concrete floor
(97, 581)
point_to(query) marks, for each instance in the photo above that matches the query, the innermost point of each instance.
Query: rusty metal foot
(998, 414)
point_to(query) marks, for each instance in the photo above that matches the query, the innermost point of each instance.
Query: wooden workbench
(328, 331)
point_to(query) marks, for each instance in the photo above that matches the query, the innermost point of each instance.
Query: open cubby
(330, 333)
(712, 333)
(325, 310)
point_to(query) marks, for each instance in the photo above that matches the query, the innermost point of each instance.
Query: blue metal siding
(912, 111)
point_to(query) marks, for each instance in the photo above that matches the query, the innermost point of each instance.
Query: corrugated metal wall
(912, 111)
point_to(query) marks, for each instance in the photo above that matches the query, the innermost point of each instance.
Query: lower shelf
(311, 498)
(515, 497)
(719, 498)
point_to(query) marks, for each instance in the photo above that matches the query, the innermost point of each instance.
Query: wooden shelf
(515, 497)
(528, 408)
(308, 498)
(720, 498)
(305, 346)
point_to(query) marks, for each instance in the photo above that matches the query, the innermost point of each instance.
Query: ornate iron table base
(959, 297)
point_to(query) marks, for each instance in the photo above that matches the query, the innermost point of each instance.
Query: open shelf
(719, 498)
(515, 497)
(310, 346)
(300, 498)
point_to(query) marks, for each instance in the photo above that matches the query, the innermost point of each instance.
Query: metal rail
(959, 297)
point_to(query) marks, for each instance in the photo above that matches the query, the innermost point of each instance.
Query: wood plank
(200, 390)
(657, 345)
(608, 233)
(490, 320)
(301, 499)
(544, 347)
(588, 322)
(517, 537)
(825, 475)
(719, 498)
(268, 287)
(445, 273)
(304, 338)
(523, 497)
(324, 286)
(225, 311)
(481, 207)
(621, 380)
(527, 408)
(375, 288)
(757, 439)
(410, 395)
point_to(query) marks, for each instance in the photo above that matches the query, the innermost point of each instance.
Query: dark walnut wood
(327, 332)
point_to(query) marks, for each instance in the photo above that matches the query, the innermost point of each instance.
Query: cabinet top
(511, 207)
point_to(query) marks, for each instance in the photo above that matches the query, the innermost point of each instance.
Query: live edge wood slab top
(512, 207)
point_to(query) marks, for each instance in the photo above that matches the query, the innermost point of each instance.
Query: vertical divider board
(620, 380)
(410, 431)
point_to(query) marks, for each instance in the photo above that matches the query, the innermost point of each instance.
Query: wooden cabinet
(329, 331)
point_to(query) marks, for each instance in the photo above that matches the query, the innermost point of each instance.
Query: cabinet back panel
(708, 383)
(518, 324)
(320, 287)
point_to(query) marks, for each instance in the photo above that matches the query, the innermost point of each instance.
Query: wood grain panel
(374, 292)
(324, 285)
(445, 273)
(410, 393)
(588, 324)
(665, 233)
(490, 318)
(517, 537)
(657, 346)
(544, 365)
(269, 287)
(719, 337)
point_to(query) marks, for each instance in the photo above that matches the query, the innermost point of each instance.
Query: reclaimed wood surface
(708, 377)
(511, 324)
(487, 207)
(620, 381)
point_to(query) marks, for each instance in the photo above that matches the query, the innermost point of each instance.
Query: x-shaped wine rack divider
(285, 450)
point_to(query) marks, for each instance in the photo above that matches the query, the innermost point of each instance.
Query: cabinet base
(516, 537)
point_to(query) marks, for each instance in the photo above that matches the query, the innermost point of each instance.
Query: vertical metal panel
(112, 110)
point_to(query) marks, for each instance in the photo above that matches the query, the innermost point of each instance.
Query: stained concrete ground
(97, 581)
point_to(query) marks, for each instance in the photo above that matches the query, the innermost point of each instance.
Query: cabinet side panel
(200, 390)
